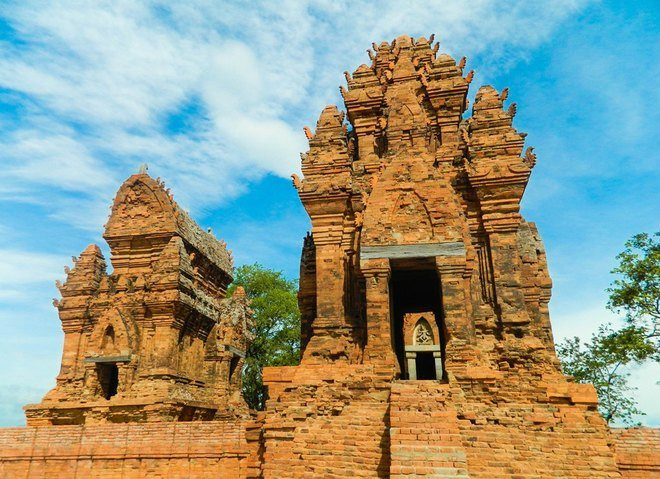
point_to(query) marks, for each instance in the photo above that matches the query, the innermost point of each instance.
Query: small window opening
(108, 376)
(187, 414)
(108, 342)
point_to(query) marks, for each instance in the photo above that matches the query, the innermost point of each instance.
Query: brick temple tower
(427, 345)
(156, 339)
(414, 208)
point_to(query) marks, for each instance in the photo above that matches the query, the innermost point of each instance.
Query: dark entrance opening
(414, 288)
(425, 366)
(108, 375)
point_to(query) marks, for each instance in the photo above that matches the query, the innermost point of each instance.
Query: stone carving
(423, 334)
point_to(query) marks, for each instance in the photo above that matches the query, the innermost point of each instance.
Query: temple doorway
(417, 321)
(108, 377)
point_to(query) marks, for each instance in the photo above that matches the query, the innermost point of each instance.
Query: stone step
(424, 435)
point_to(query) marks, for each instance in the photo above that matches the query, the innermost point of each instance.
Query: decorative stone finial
(462, 62)
(297, 183)
(512, 110)
(530, 157)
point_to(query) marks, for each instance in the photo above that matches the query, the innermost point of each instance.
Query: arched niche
(396, 217)
(113, 335)
(108, 343)
(108, 354)
(422, 333)
(422, 346)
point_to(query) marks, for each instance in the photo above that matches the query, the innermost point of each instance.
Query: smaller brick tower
(157, 339)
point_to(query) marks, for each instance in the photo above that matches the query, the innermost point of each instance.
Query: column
(379, 347)
(458, 322)
(507, 269)
(459, 337)
(331, 335)
(411, 365)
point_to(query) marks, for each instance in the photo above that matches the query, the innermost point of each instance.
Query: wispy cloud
(22, 267)
(109, 75)
(20, 270)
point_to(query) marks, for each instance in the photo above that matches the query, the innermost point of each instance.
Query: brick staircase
(424, 433)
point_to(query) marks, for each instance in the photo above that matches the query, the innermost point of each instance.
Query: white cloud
(23, 267)
(109, 73)
(53, 159)
(645, 379)
(23, 271)
(581, 321)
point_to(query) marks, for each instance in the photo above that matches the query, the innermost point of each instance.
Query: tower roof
(144, 208)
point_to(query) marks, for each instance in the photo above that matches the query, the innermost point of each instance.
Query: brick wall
(218, 449)
(637, 452)
(340, 422)
(326, 422)
(436, 432)
(353, 441)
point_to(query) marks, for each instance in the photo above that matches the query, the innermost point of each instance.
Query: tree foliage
(277, 326)
(637, 292)
(603, 359)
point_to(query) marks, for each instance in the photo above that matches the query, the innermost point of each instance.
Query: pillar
(379, 347)
(411, 365)
(458, 323)
(459, 327)
(507, 269)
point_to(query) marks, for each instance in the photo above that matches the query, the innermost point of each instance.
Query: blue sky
(213, 96)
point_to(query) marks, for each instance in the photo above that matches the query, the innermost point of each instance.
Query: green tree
(277, 326)
(637, 292)
(603, 360)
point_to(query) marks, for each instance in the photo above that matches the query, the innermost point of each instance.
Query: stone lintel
(420, 348)
(456, 248)
(108, 359)
(234, 350)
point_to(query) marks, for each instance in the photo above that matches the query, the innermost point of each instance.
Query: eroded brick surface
(419, 265)
(637, 452)
(214, 449)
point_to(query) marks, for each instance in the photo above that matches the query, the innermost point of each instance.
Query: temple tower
(414, 208)
(427, 346)
(156, 339)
